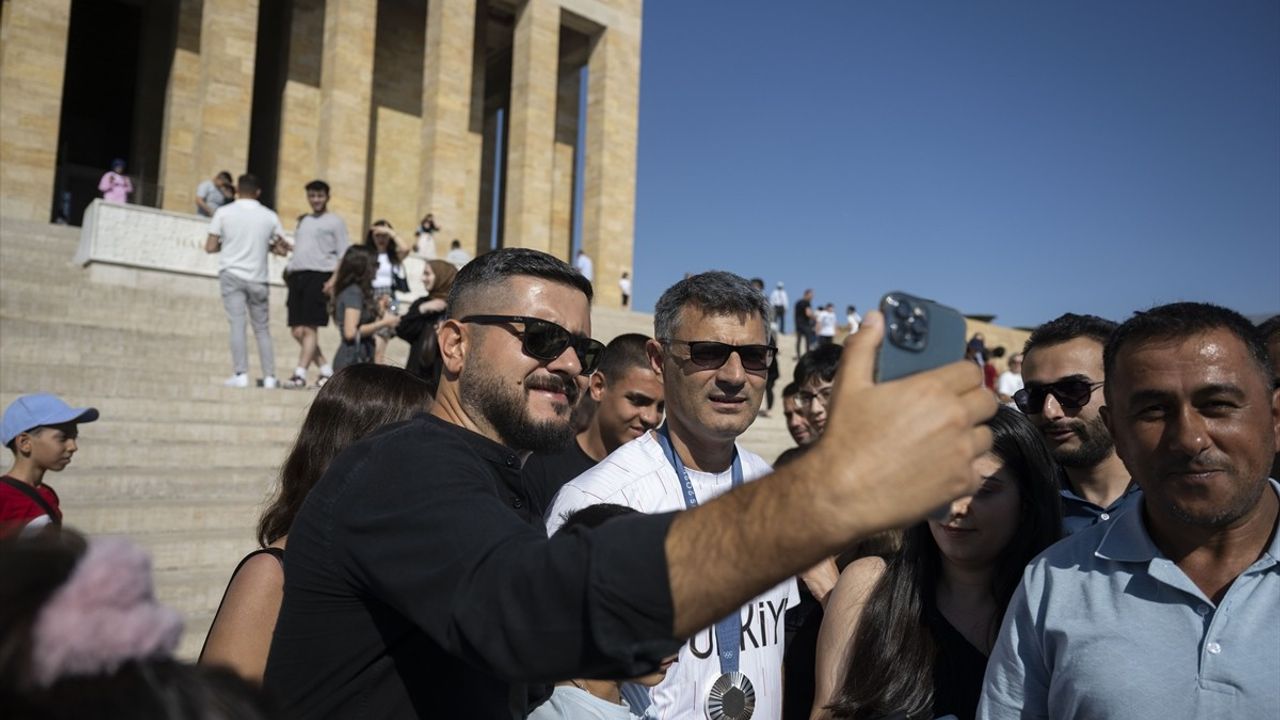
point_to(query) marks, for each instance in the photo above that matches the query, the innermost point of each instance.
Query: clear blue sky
(1018, 158)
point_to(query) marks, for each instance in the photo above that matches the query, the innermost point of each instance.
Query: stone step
(184, 410)
(186, 550)
(133, 515)
(150, 453)
(83, 486)
(194, 630)
(77, 381)
(124, 431)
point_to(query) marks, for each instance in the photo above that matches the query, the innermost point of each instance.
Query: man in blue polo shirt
(1063, 375)
(1173, 609)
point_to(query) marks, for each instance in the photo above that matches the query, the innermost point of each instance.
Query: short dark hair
(593, 516)
(792, 388)
(822, 362)
(623, 354)
(455, 243)
(1269, 328)
(225, 175)
(492, 269)
(248, 182)
(1070, 326)
(1183, 320)
(319, 185)
(714, 292)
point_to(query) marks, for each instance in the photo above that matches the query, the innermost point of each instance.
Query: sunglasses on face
(710, 355)
(545, 340)
(1070, 394)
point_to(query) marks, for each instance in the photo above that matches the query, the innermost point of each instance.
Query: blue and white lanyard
(729, 630)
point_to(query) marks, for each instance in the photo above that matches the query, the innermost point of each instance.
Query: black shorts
(307, 303)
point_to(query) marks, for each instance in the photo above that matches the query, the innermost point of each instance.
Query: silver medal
(731, 698)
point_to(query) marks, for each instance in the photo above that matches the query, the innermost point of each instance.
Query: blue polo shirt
(1078, 513)
(1104, 626)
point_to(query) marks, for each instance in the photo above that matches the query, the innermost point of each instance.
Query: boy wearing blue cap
(40, 431)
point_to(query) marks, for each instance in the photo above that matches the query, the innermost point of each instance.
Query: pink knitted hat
(103, 616)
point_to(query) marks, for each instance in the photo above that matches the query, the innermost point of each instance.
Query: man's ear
(656, 354)
(596, 384)
(454, 345)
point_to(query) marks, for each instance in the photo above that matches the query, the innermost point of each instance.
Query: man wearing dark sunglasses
(1062, 393)
(420, 584)
(713, 353)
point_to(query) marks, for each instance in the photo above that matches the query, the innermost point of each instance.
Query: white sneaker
(239, 380)
(270, 383)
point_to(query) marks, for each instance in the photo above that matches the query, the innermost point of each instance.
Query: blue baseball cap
(33, 411)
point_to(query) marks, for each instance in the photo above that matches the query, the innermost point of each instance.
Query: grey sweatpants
(241, 297)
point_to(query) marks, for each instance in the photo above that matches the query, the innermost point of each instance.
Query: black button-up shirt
(419, 583)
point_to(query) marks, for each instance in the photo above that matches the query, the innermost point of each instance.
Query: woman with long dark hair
(358, 315)
(352, 405)
(910, 638)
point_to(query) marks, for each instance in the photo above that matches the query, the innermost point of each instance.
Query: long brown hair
(890, 669)
(356, 401)
(357, 268)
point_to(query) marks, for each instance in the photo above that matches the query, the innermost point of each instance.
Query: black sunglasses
(1071, 395)
(710, 355)
(545, 340)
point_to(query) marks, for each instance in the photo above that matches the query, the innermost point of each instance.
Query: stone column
(345, 90)
(608, 212)
(33, 55)
(448, 151)
(530, 161)
(210, 98)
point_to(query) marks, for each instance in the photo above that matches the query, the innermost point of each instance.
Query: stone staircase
(177, 462)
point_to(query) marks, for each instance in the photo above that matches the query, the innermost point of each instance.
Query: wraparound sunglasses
(545, 340)
(710, 355)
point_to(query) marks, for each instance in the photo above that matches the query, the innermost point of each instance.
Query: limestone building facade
(513, 121)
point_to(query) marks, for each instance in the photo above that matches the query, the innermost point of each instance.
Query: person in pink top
(115, 185)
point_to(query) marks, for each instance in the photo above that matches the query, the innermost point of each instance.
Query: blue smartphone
(919, 335)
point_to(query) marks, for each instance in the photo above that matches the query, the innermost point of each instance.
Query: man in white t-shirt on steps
(712, 352)
(243, 233)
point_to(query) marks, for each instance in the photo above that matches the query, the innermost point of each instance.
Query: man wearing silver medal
(712, 351)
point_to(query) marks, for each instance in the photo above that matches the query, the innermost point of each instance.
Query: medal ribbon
(729, 630)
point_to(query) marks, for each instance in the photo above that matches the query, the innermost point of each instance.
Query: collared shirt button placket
(1214, 648)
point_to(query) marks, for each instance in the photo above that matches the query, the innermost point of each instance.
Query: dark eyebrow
(1078, 376)
(1200, 393)
(1205, 391)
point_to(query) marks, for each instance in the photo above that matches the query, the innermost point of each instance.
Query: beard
(1095, 445)
(506, 409)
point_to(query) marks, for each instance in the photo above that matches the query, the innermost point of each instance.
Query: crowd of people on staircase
(1092, 533)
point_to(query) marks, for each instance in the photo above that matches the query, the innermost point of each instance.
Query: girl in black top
(909, 638)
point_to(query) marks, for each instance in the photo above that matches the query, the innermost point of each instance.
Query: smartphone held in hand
(919, 335)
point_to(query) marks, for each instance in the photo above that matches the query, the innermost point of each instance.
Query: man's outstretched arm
(891, 453)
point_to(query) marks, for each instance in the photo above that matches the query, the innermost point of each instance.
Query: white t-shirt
(638, 476)
(247, 229)
(382, 278)
(1008, 383)
(778, 298)
(571, 703)
(826, 323)
(625, 286)
(586, 267)
(855, 322)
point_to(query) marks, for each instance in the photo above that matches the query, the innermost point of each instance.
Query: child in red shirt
(40, 430)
